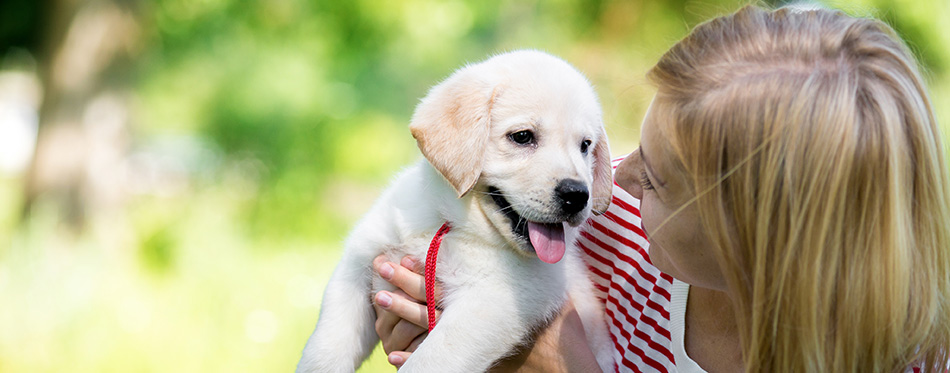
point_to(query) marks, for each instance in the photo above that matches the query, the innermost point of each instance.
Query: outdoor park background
(176, 175)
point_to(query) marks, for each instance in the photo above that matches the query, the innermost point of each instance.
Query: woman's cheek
(646, 218)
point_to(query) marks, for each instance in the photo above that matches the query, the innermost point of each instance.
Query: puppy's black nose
(572, 194)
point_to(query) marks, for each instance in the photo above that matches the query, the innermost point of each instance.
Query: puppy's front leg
(344, 334)
(475, 330)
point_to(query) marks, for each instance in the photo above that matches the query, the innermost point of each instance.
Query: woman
(791, 179)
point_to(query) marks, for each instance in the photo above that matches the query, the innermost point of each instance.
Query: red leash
(431, 257)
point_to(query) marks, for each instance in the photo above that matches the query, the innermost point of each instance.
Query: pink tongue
(548, 241)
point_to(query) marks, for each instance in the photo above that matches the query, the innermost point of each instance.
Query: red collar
(431, 257)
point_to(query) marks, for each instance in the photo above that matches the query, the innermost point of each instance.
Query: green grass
(168, 286)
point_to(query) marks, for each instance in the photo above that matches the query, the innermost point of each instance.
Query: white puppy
(517, 158)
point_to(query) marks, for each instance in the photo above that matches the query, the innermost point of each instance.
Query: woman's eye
(522, 137)
(645, 182)
(584, 146)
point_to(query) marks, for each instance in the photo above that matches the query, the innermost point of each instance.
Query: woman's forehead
(653, 134)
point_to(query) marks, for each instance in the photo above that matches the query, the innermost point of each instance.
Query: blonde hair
(818, 170)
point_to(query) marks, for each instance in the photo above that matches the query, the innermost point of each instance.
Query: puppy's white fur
(496, 291)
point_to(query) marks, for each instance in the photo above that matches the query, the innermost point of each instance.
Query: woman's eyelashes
(645, 182)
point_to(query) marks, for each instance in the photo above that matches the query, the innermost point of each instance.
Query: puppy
(516, 158)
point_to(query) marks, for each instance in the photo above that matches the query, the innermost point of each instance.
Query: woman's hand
(401, 323)
(401, 318)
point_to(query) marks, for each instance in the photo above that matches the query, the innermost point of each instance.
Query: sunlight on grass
(213, 303)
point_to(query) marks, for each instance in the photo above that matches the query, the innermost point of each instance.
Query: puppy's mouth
(547, 239)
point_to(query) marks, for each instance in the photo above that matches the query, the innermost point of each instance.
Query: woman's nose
(627, 175)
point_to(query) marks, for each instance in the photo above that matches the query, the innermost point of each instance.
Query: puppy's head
(523, 131)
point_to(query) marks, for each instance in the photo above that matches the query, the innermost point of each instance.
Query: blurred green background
(176, 176)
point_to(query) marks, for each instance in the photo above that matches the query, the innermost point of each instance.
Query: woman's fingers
(407, 275)
(416, 342)
(403, 336)
(418, 267)
(385, 321)
(398, 358)
(412, 264)
(401, 315)
(402, 306)
(404, 278)
(413, 336)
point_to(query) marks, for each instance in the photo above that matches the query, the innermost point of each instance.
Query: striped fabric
(636, 295)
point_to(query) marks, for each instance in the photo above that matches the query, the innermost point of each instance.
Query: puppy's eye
(584, 146)
(522, 137)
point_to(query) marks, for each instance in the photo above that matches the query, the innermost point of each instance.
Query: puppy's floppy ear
(603, 176)
(451, 126)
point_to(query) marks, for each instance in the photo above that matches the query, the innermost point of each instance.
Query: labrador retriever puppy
(516, 158)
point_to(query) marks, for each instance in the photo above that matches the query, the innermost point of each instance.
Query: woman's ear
(451, 127)
(603, 176)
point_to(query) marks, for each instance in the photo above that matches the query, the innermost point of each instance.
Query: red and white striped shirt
(636, 295)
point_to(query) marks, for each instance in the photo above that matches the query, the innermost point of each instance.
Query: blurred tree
(20, 25)
(84, 53)
(296, 88)
(288, 83)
